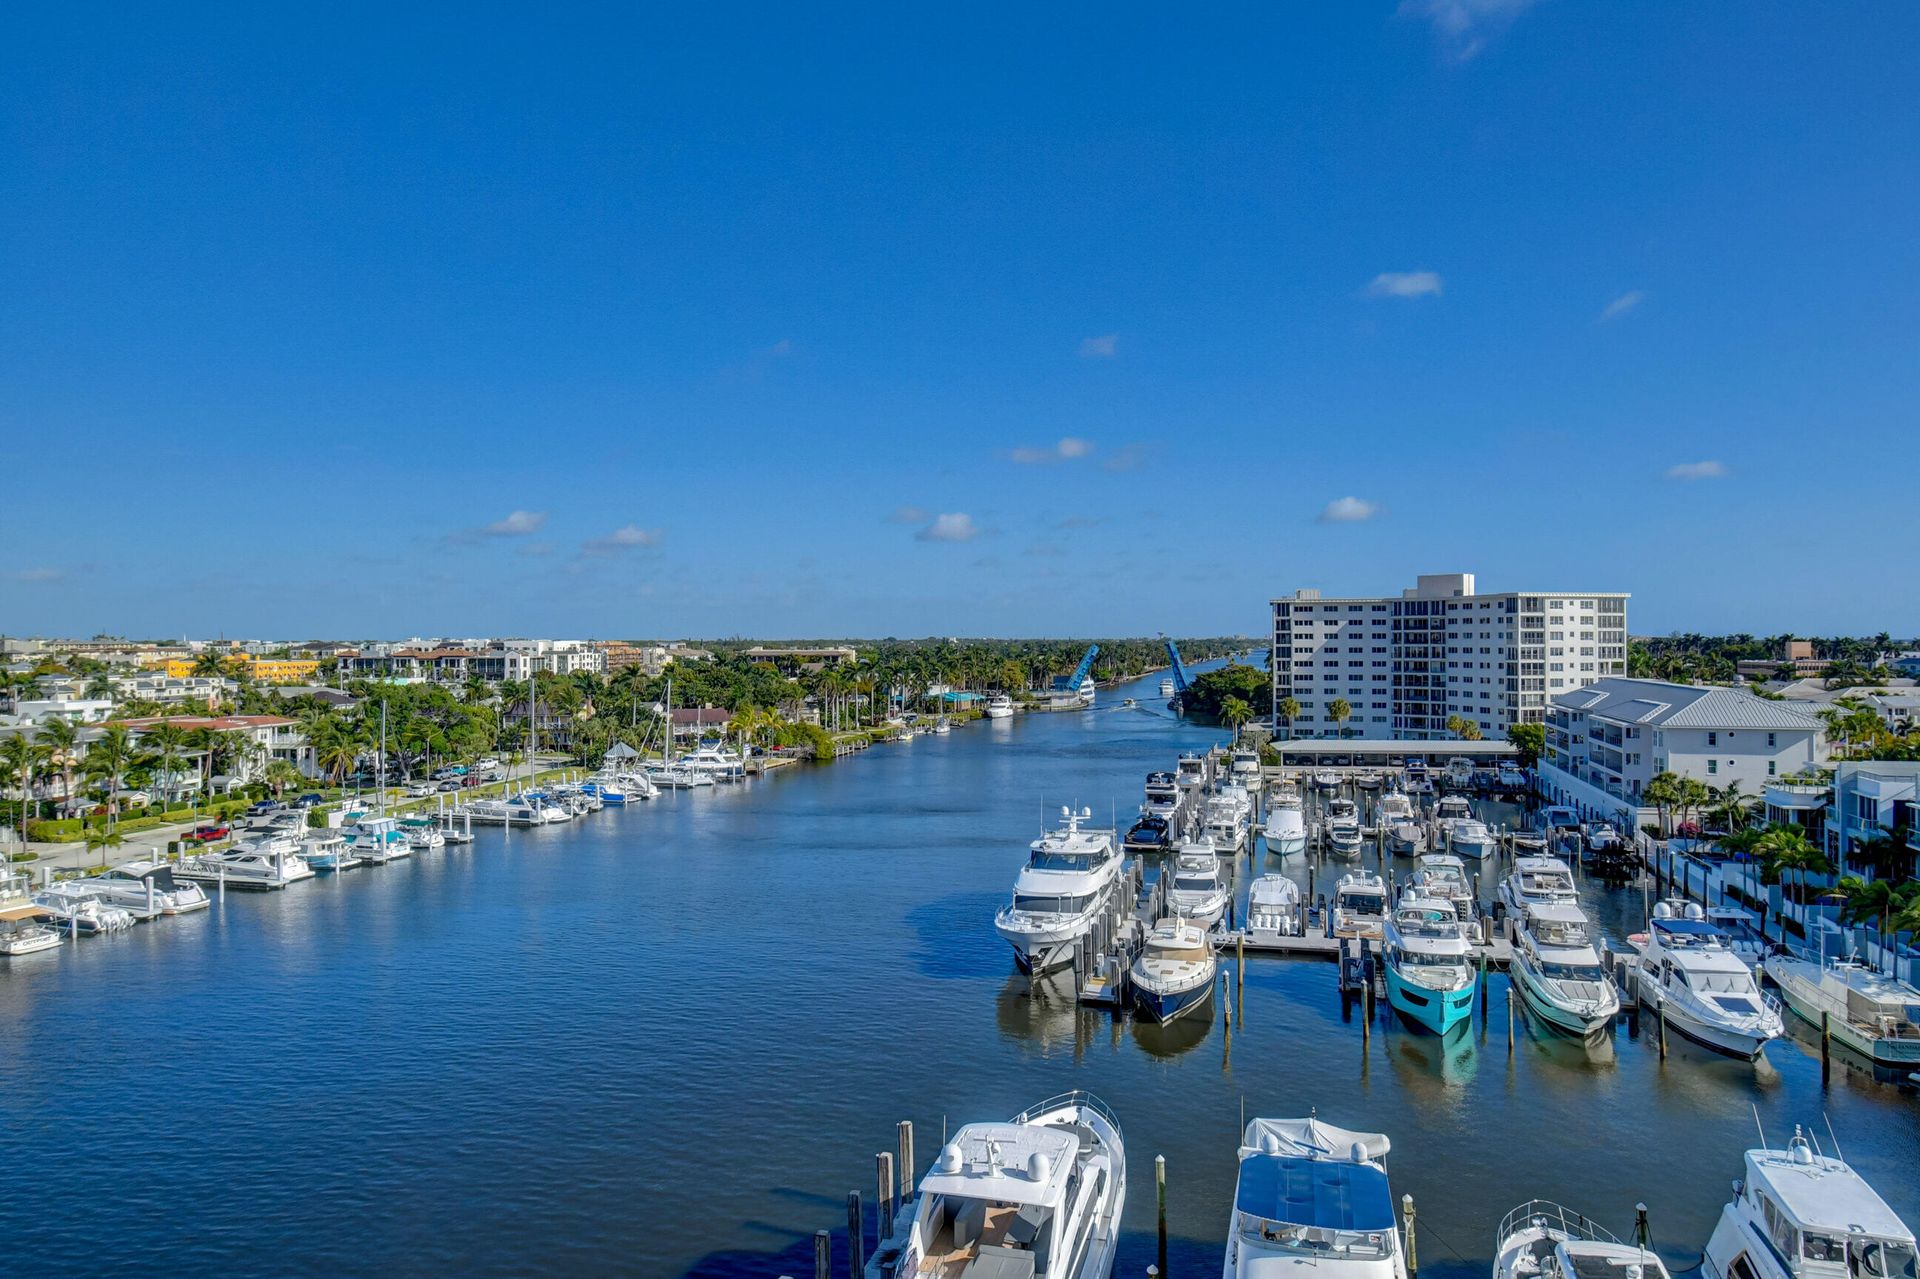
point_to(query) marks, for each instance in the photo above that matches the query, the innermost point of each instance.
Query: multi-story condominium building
(1406, 664)
(1604, 743)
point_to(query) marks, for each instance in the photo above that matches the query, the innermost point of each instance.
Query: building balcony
(1797, 796)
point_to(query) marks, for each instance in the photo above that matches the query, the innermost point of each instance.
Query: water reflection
(1178, 1037)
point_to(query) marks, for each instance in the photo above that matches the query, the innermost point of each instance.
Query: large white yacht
(1689, 972)
(1430, 974)
(505, 812)
(74, 906)
(1286, 829)
(716, 760)
(148, 888)
(1195, 889)
(1226, 824)
(1803, 1214)
(1537, 881)
(375, 840)
(1273, 908)
(1162, 797)
(1191, 770)
(1559, 973)
(999, 706)
(1175, 970)
(1360, 905)
(1343, 828)
(1312, 1198)
(1070, 878)
(1244, 767)
(1444, 876)
(1542, 1240)
(1039, 1196)
(1870, 1012)
(1470, 837)
(271, 863)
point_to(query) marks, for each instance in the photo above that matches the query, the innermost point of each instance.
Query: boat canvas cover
(1687, 927)
(1313, 1137)
(1327, 1193)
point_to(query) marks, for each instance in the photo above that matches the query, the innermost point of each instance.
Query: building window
(1713, 739)
(1770, 741)
(1713, 767)
(1771, 768)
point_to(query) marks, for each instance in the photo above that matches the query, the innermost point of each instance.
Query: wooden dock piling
(1413, 1252)
(906, 1160)
(822, 1255)
(1826, 1046)
(883, 1202)
(1160, 1206)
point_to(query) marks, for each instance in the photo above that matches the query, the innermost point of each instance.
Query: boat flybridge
(1273, 908)
(1542, 1240)
(1244, 767)
(1689, 973)
(148, 888)
(1286, 828)
(1444, 876)
(1430, 975)
(1162, 797)
(1226, 824)
(1360, 905)
(1537, 881)
(1195, 889)
(1069, 881)
(1802, 1214)
(1870, 1012)
(1470, 837)
(1175, 970)
(266, 864)
(1312, 1195)
(1191, 770)
(999, 706)
(1559, 972)
(1037, 1197)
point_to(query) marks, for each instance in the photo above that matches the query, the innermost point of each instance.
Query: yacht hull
(1436, 1010)
(1287, 843)
(1589, 1028)
(1165, 1005)
(1730, 1043)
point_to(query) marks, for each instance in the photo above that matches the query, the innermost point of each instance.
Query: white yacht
(1273, 908)
(1537, 881)
(1195, 889)
(1392, 807)
(716, 760)
(1360, 905)
(1070, 879)
(423, 834)
(1037, 1197)
(1191, 770)
(1559, 972)
(1469, 837)
(999, 706)
(1326, 779)
(1175, 970)
(1452, 808)
(1688, 972)
(1459, 774)
(325, 851)
(1542, 1240)
(636, 785)
(1343, 828)
(1510, 777)
(74, 906)
(1166, 688)
(1312, 1197)
(1162, 797)
(504, 812)
(1226, 824)
(1244, 767)
(1444, 876)
(1802, 1214)
(1430, 973)
(268, 864)
(22, 931)
(148, 888)
(1286, 829)
(1870, 1012)
(374, 840)
(1406, 838)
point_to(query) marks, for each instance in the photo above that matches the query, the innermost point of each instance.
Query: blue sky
(767, 320)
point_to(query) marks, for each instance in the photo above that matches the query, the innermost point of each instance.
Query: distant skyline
(662, 322)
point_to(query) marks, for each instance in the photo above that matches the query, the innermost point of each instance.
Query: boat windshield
(1047, 859)
(1866, 1258)
(1344, 1210)
(1418, 959)
(1049, 904)
(1362, 903)
(1573, 972)
(1194, 883)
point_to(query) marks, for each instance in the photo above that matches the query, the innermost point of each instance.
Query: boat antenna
(1756, 1124)
(1832, 1136)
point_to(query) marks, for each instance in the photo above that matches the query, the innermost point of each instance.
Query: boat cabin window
(1194, 883)
(1319, 1241)
(1419, 959)
(1363, 903)
(1780, 1229)
(1050, 904)
(1573, 972)
(1880, 1259)
(1047, 860)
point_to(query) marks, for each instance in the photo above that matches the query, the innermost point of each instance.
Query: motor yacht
(1360, 905)
(325, 851)
(1369, 780)
(423, 834)
(1162, 796)
(1244, 767)
(1469, 837)
(1406, 838)
(716, 760)
(1070, 879)
(1542, 1240)
(1452, 808)
(504, 812)
(74, 907)
(636, 785)
(1343, 828)
(1286, 829)
(1802, 1214)
(1537, 881)
(1511, 778)
(1226, 824)
(1870, 1012)
(374, 840)
(1392, 807)
(1326, 779)
(1688, 972)
(1444, 876)
(667, 776)
(1430, 974)
(1312, 1197)
(1149, 834)
(1166, 688)
(1037, 1197)
(999, 706)
(1190, 771)
(148, 888)
(1273, 908)
(1459, 772)
(1415, 780)
(23, 931)
(1174, 973)
(1195, 889)
(266, 864)
(1559, 971)
(607, 788)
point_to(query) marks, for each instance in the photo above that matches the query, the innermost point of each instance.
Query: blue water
(668, 1041)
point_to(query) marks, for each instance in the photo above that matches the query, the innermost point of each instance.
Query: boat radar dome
(1038, 1169)
(951, 1159)
(1802, 1152)
(1270, 1144)
(1662, 910)
(1357, 1152)
(1694, 911)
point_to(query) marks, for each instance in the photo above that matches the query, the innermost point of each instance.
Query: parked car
(419, 790)
(452, 783)
(264, 807)
(309, 801)
(209, 832)
(487, 765)
(468, 780)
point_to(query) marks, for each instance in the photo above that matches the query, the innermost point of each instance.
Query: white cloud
(624, 538)
(1622, 304)
(1066, 450)
(1100, 348)
(1348, 510)
(908, 515)
(1697, 471)
(1404, 284)
(949, 528)
(518, 524)
(1463, 27)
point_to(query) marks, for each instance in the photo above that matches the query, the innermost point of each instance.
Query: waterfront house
(1604, 743)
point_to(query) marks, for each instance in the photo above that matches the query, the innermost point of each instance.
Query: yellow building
(263, 670)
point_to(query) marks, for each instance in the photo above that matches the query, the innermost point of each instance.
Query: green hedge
(54, 831)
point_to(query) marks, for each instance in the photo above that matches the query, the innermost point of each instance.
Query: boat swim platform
(1317, 945)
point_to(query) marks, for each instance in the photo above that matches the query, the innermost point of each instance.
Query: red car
(207, 834)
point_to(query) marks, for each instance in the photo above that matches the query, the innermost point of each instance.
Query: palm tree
(1731, 805)
(100, 687)
(1234, 712)
(1663, 792)
(168, 743)
(103, 838)
(1786, 850)
(280, 775)
(210, 663)
(1339, 710)
(109, 757)
(61, 741)
(1289, 709)
(19, 762)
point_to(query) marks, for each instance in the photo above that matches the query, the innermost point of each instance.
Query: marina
(908, 850)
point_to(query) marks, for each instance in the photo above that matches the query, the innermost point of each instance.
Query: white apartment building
(1606, 742)
(1408, 663)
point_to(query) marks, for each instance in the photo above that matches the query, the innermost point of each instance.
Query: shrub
(67, 828)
